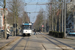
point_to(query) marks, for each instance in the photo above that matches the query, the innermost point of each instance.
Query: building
(70, 5)
(70, 19)
(2, 18)
(73, 1)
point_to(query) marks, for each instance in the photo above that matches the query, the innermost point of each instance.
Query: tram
(26, 29)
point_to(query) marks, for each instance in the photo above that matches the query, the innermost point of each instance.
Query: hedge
(56, 34)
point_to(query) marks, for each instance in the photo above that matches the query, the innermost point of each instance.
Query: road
(41, 41)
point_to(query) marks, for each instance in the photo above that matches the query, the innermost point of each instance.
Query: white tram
(26, 29)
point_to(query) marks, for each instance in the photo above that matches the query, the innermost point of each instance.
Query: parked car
(1, 30)
(68, 30)
(72, 32)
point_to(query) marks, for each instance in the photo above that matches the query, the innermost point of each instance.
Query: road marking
(26, 47)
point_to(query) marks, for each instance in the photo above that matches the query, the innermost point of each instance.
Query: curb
(9, 43)
(62, 38)
(70, 38)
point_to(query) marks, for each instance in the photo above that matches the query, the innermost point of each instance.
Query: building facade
(2, 18)
(70, 19)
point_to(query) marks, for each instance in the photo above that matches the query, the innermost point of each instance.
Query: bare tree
(16, 8)
(54, 11)
(25, 17)
(55, 17)
(60, 15)
(19, 21)
(39, 21)
(49, 10)
(10, 16)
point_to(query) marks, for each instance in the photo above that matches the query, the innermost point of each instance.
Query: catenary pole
(4, 18)
(64, 18)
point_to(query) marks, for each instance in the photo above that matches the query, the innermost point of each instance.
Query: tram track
(19, 43)
(59, 44)
(40, 42)
(26, 44)
(44, 48)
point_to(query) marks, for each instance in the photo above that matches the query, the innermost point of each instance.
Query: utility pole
(28, 17)
(5, 35)
(16, 19)
(52, 16)
(73, 13)
(64, 18)
(17, 32)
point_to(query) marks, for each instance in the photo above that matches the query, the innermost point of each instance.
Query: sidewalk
(71, 37)
(6, 42)
(68, 37)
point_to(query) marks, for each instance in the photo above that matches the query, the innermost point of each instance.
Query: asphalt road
(41, 41)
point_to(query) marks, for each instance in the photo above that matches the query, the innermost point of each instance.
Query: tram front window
(27, 27)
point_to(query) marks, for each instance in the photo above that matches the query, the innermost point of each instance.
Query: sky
(1, 3)
(34, 8)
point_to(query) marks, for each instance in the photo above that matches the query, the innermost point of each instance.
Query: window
(26, 27)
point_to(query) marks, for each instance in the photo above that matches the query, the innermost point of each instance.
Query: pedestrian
(34, 31)
(8, 32)
(19, 30)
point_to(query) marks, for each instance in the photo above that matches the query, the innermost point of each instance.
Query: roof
(2, 8)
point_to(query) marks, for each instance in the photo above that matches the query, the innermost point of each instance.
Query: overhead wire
(35, 10)
(30, 1)
(26, 10)
(32, 9)
(36, 7)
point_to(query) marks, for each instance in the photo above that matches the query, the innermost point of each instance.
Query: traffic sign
(42, 25)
